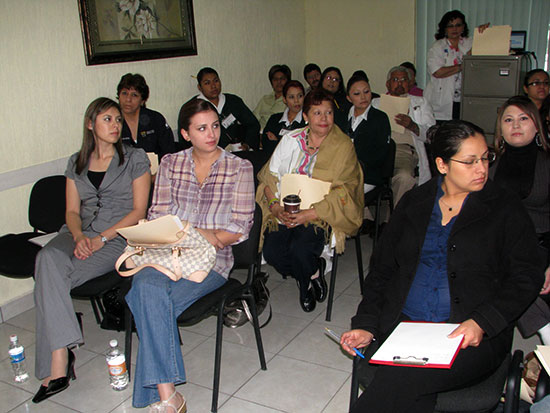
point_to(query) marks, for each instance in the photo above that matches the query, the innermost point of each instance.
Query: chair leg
(97, 314)
(376, 221)
(332, 284)
(128, 324)
(354, 384)
(359, 254)
(217, 359)
(256, 323)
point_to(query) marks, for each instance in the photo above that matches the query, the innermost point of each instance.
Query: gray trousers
(57, 271)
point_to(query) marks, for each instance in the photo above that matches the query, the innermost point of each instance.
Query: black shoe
(308, 301)
(319, 284)
(57, 385)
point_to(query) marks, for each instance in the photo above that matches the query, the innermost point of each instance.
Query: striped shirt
(224, 201)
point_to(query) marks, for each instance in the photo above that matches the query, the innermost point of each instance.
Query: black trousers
(295, 252)
(414, 389)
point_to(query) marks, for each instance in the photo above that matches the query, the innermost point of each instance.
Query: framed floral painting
(129, 30)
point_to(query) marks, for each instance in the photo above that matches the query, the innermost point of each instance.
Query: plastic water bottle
(117, 367)
(17, 357)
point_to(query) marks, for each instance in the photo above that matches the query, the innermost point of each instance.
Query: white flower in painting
(146, 24)
(131, 6)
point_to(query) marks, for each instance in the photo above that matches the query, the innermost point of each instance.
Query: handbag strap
(132, 271)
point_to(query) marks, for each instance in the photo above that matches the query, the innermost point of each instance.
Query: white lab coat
(440, 91)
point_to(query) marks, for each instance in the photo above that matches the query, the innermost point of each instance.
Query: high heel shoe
(164, 405)
(57, 385)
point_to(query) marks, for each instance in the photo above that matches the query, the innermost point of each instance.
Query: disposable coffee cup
(292, 203)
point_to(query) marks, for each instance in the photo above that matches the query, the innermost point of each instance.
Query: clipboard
(419, 344)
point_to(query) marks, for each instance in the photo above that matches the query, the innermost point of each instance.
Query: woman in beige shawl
(294, 242)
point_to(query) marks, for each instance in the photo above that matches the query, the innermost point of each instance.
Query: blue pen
(337, 337)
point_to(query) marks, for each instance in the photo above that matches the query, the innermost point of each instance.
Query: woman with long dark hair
(107, 188)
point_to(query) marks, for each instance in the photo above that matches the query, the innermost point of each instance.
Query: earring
(501, 144)
(537, 140)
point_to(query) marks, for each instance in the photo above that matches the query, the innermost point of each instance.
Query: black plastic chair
(382, 192)
(246, 257)
(481, 397)
(543, 385)
(46, 215)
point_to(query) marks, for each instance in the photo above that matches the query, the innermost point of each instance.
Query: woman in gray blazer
(107, 188)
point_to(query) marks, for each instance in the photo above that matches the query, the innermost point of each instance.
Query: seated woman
(142, 128)
(332, 82)
(280, 124)
(523, 167)
(107, 188)
(537, 86)
(457, 249)
(295, 242)
(214, 191)
(273, 102)
(369, 129)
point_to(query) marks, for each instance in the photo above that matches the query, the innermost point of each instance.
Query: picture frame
(129, 30)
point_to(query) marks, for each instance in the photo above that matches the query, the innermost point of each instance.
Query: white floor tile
(235, 405)
(293, 386)
(11, 397)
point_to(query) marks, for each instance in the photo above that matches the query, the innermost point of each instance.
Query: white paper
(494, 41)
(42, 240)
(154, 159)
(394, 105)
(308, 189)
(417, 341)
(543, 354)
(163, 230)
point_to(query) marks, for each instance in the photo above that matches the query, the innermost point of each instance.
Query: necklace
(313, 148)
(446, 204)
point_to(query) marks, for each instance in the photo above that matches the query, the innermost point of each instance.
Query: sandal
(168, 406)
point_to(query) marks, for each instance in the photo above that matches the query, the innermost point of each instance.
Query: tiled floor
(306, 371)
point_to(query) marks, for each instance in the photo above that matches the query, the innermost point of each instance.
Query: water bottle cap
(113, 343)
(13, 338)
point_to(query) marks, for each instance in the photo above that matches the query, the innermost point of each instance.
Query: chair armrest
(513, 382)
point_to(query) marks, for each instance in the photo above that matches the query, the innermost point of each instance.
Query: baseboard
(16, 306)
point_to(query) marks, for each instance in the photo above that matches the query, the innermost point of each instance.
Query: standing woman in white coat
(445, 65)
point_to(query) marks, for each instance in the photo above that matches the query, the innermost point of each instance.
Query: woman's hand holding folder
(473, 334)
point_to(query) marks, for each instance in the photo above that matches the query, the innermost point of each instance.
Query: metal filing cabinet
(486, 84)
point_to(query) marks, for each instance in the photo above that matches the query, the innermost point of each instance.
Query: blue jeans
(156, 302)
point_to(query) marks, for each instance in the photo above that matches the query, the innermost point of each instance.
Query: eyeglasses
(452, 26)
(399, 79)
(490, 157)
(332, 79)
(539, 82)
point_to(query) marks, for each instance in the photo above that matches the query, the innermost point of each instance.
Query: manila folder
(394, 105)
(308, 189)
(494, 41)
(164, 230)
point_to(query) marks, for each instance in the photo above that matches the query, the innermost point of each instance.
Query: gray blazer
(102, 208)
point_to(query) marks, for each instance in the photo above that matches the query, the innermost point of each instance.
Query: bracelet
(271, 202)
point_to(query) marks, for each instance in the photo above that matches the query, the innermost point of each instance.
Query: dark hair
(284, 69)
(292, 83)
(354, 79)
(133, 81)
(310, 67)
(529, 108)
(409, 65)
(95, 108)
(446, 138)
(447, 17)
(205, 71)
(531, 73)
(341, 91)
(191, 108)
(316, 97)
(360, 73)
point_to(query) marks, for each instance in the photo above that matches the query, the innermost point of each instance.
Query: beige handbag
(191, 257)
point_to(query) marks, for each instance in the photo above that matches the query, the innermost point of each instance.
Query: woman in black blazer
(280, 124)
(457, 249)
(369, 129)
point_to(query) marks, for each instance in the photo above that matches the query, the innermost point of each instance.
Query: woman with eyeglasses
(107, 188)
(457, 249)
(332, 82)
(523, 167)
(445, 65)
(537, 86)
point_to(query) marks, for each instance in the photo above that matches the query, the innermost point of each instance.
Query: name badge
(228, 121)
(284, 132)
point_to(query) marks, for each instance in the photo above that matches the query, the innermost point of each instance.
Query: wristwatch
(104, 239)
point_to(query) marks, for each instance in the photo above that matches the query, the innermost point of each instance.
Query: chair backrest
(246, 252)
(389, 162)
(47, 204)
